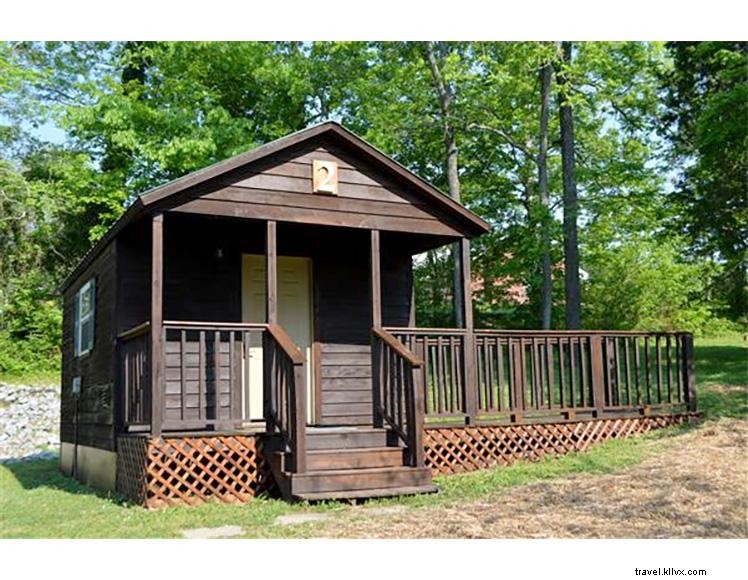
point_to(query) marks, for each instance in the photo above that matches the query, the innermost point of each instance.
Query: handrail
(286, 343)
(134, 331)
(424, 330)
(397, 346)
(530, 332)
(285, 393)
(398, 391)
(562, 333)
(212, 325)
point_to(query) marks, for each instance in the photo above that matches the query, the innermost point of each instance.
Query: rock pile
(29, 422)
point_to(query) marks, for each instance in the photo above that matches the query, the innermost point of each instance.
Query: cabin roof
(470, 223)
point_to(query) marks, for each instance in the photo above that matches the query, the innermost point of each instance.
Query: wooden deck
(422, 379)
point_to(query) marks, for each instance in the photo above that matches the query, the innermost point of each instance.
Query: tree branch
(508, 138)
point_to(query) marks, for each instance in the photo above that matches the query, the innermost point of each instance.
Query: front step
(334, 438)
(354, 458)
(348, 463)
(368, 493)
(347, 480)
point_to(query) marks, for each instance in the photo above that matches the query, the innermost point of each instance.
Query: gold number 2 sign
(325, 176)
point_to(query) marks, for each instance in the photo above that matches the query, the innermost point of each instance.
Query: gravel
(29, 422)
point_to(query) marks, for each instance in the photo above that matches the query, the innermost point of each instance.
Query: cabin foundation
(89, 465)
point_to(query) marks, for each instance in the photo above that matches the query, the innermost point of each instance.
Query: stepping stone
(294, 519)
(208, 533)
(383, 511)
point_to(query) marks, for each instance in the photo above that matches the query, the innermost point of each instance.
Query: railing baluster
(183, 373)
(550, 375)
(585, 365)
(573, 353)
(669, 371)
(627, 354)
(562, 375)
(201, 383)
(659, 369)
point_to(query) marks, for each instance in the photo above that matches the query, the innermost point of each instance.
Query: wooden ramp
(348, 463)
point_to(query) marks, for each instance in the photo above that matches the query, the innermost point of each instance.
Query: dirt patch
(696, 488)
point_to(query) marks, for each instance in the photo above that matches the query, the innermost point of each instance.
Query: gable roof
(470, 223)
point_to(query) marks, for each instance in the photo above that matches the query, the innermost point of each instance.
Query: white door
(294, 315)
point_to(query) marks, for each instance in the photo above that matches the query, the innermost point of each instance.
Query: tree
(706, 117)
(546, 73)
(435, 55)
(571, 202)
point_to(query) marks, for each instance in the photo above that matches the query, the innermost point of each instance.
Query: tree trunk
(445, 93)
(571, 205)
(545, 221)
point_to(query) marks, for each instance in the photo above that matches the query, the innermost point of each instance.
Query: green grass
(36, 500)
(42, 378)
(722, 376)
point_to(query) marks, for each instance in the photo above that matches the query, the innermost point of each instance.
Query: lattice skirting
(459, 449)
(190, 470)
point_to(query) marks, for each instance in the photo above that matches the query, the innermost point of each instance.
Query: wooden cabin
(250, 327)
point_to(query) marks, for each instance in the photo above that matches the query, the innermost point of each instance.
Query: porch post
(271, 269)
(376, 280)
(271, 317)
(376, 321)
(157, 318)
(471, 386)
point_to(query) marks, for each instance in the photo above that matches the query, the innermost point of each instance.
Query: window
(85, 306)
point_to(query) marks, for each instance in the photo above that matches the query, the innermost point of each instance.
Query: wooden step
(348, 480)
(368, 493)
(347, 438)
(354, 458)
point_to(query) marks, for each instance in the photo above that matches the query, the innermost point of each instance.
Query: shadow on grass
(45, 473)
(722, 381)
(722, 364)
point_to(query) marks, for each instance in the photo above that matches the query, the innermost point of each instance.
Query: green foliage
(136, 114)
(645, 285)
(706, 119)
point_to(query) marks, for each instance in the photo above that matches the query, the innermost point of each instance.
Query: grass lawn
(31, 378)
(37, 501)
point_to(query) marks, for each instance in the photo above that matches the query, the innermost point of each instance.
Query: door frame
(312, 374)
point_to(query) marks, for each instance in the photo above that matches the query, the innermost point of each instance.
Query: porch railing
(135, 375)
(205, 368)
(205, 365)
(285, 393)
(398, 401)
(525, 374)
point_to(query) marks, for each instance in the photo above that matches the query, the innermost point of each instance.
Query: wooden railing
(285, 393)
(205, 371)
(442, 351)
(135, 375)
(398, 401)
(521, 374)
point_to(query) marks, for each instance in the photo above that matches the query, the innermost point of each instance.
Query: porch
(431, 377)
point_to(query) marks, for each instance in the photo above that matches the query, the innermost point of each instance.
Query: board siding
(280, 188)
(95, 404)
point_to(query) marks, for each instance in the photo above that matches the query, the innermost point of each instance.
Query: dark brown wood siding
(97, 368)
(280, 189)
(133, 276)
(343, 317)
